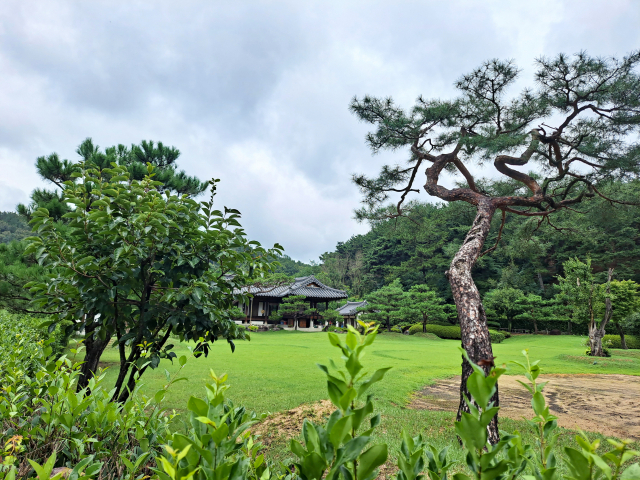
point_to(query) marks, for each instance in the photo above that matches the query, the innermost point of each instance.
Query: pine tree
(384, 305)
(423, 303)
(594, 105)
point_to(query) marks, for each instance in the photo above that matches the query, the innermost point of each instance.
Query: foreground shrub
(614, 341)
(14, 327)
(47, 417)
(118, 441)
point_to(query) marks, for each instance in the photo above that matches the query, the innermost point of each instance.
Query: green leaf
(198, 406)
(578, 464)
(182, 360)
(376, 377)
(372, 459)
(340, 431)
(538, 403)
(631, 473)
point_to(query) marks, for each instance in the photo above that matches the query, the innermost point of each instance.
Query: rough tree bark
(597, 332)
(473, 320)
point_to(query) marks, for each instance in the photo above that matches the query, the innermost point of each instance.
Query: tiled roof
(349, 308)
(309, 286)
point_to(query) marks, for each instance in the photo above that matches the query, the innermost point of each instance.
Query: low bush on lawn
(452, 332)
(615, 342)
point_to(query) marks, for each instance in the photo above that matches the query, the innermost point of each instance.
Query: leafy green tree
(384, 305)
(505, 303)
(141, 264)
(625, 299)
(594, 104)
(294, 306)
(423, 303)
(587, 300)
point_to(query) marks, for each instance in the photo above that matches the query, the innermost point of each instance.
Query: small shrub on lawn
(430, 336)
(615, 342)
(396, 329)
(417, 328)
(452, 332)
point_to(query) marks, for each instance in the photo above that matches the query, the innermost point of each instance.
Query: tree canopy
(141, 264)
(134, 159)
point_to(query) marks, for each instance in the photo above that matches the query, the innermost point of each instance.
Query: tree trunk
(388, 324)
(93, 351)
(424, 323)
(473, 320)
(597, 332)
(569, 322)
(535, 326)
(623, 342)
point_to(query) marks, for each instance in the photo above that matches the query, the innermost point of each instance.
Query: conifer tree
(56, 171)
(384, 305)
(423, 303)
(573, 133)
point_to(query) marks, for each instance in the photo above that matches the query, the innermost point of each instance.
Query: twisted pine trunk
(473, 320)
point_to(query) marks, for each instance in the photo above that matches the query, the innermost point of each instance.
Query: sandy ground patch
(609, 404)
(288, 424)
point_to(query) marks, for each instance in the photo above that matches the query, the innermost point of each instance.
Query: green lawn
(277, 371)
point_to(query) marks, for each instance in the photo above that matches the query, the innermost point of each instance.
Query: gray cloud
(256, 93)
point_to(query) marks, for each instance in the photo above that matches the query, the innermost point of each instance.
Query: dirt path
(609, 404)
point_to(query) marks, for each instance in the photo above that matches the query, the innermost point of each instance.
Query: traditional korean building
(266, 300)
(349, 311)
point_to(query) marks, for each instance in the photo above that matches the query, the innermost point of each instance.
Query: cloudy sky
(257, 93)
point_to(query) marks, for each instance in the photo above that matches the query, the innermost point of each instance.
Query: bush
(49, 419)
(14, 327)
(494, 324)
(417, 328)
(605, 352)
(496, 337)
(615, 342)
(396, 329)
(430, 336)
(451, 332)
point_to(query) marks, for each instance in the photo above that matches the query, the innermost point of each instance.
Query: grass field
(277, 371)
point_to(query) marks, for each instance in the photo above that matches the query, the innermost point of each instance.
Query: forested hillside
(418, 249)
(13, 227)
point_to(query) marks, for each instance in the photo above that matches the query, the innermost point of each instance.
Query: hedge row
(14, 326)
(631, 341)
(452, 332)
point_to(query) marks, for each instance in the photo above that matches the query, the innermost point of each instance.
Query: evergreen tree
(595, 104)
(135, 159)
(384, 305)
(625, 300)
(505, 303)
(294, 306)
(422, 303)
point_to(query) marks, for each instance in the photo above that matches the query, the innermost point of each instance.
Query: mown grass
(277, 371)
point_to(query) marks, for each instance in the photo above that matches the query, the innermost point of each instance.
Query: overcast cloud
(257, 93)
